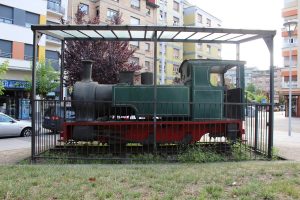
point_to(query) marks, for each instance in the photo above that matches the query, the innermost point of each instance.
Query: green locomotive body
(197, 98)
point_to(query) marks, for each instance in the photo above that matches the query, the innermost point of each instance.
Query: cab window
(216, 79)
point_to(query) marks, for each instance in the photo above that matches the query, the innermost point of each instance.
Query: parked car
(12, 127)
(54, 118)
(282, 107)
(276, 108)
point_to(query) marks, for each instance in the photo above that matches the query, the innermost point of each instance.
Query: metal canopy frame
(152, 34)
(149, 33)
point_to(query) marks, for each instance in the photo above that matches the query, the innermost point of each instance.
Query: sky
(249, 14)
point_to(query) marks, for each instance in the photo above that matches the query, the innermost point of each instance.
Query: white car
(12, 127)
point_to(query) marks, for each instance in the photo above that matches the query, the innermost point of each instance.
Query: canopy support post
(155, 91)
(270, 44)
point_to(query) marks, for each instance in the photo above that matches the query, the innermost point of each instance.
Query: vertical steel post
(238, 76)
(256, 127)
(290, 83)
(33, 96)
(270, 43)
(155, 90)
(62, 70)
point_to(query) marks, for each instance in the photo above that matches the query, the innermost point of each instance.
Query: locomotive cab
(209, 95)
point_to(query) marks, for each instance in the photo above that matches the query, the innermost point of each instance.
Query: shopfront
(295, 105)
(15, 100)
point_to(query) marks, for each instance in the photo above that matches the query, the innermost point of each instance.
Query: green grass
(230, 180)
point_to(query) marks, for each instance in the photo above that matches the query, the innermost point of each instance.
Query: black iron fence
(131, 131)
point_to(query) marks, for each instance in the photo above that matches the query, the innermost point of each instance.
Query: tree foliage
(47, 79)
(255, 94)
(251, 88)
(109, 57)
(3, 69)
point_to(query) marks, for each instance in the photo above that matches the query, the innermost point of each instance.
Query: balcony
(5, 54)
(286, 84)
(290, 3)
(6, 20)
(53, 6)
(53, 40)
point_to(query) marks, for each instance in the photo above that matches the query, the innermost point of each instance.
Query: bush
(198, 155)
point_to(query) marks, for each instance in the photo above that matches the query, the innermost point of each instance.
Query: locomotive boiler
(124, 112)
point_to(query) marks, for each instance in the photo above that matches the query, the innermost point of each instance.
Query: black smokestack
(86, 72)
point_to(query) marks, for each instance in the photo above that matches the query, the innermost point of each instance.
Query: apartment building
(56, 10)
(134, 12)
(16, 47)
(170, 55)
(291, 11)
(195, 16)
(259, 78)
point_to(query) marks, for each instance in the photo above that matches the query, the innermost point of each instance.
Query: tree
(3, 69)
(251, 88)
(109, 57)
(47, 79)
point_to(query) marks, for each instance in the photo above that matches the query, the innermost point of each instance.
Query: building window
(97, 11)
(208, 49)
(208, 22)
(147, 65)
(219, 52)
(134, 21)
(175, 21)
(135, 4)
(53, 58)
(55, 5)
(135, 60)
(111, 13)
(175, 69)
(199, 45)
(199, 18)
(5, 49)
(147, 48)
(28, 52)
(176, 6)
(165, 67)
(84, 8)
(6, 14)
(176, 53)
(31, 19)
(162, 15)
(160, 49)
(148, 11)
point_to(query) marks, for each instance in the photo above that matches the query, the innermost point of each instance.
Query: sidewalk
(288, 146)
(14, 156)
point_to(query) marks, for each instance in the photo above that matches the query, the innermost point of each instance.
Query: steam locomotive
(183, 113)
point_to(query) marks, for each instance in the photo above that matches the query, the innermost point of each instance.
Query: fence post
(256, 128)
(33, 97)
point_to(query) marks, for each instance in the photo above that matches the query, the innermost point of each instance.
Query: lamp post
(290, 27)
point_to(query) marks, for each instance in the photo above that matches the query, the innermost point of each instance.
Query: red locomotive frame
(166, 131)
